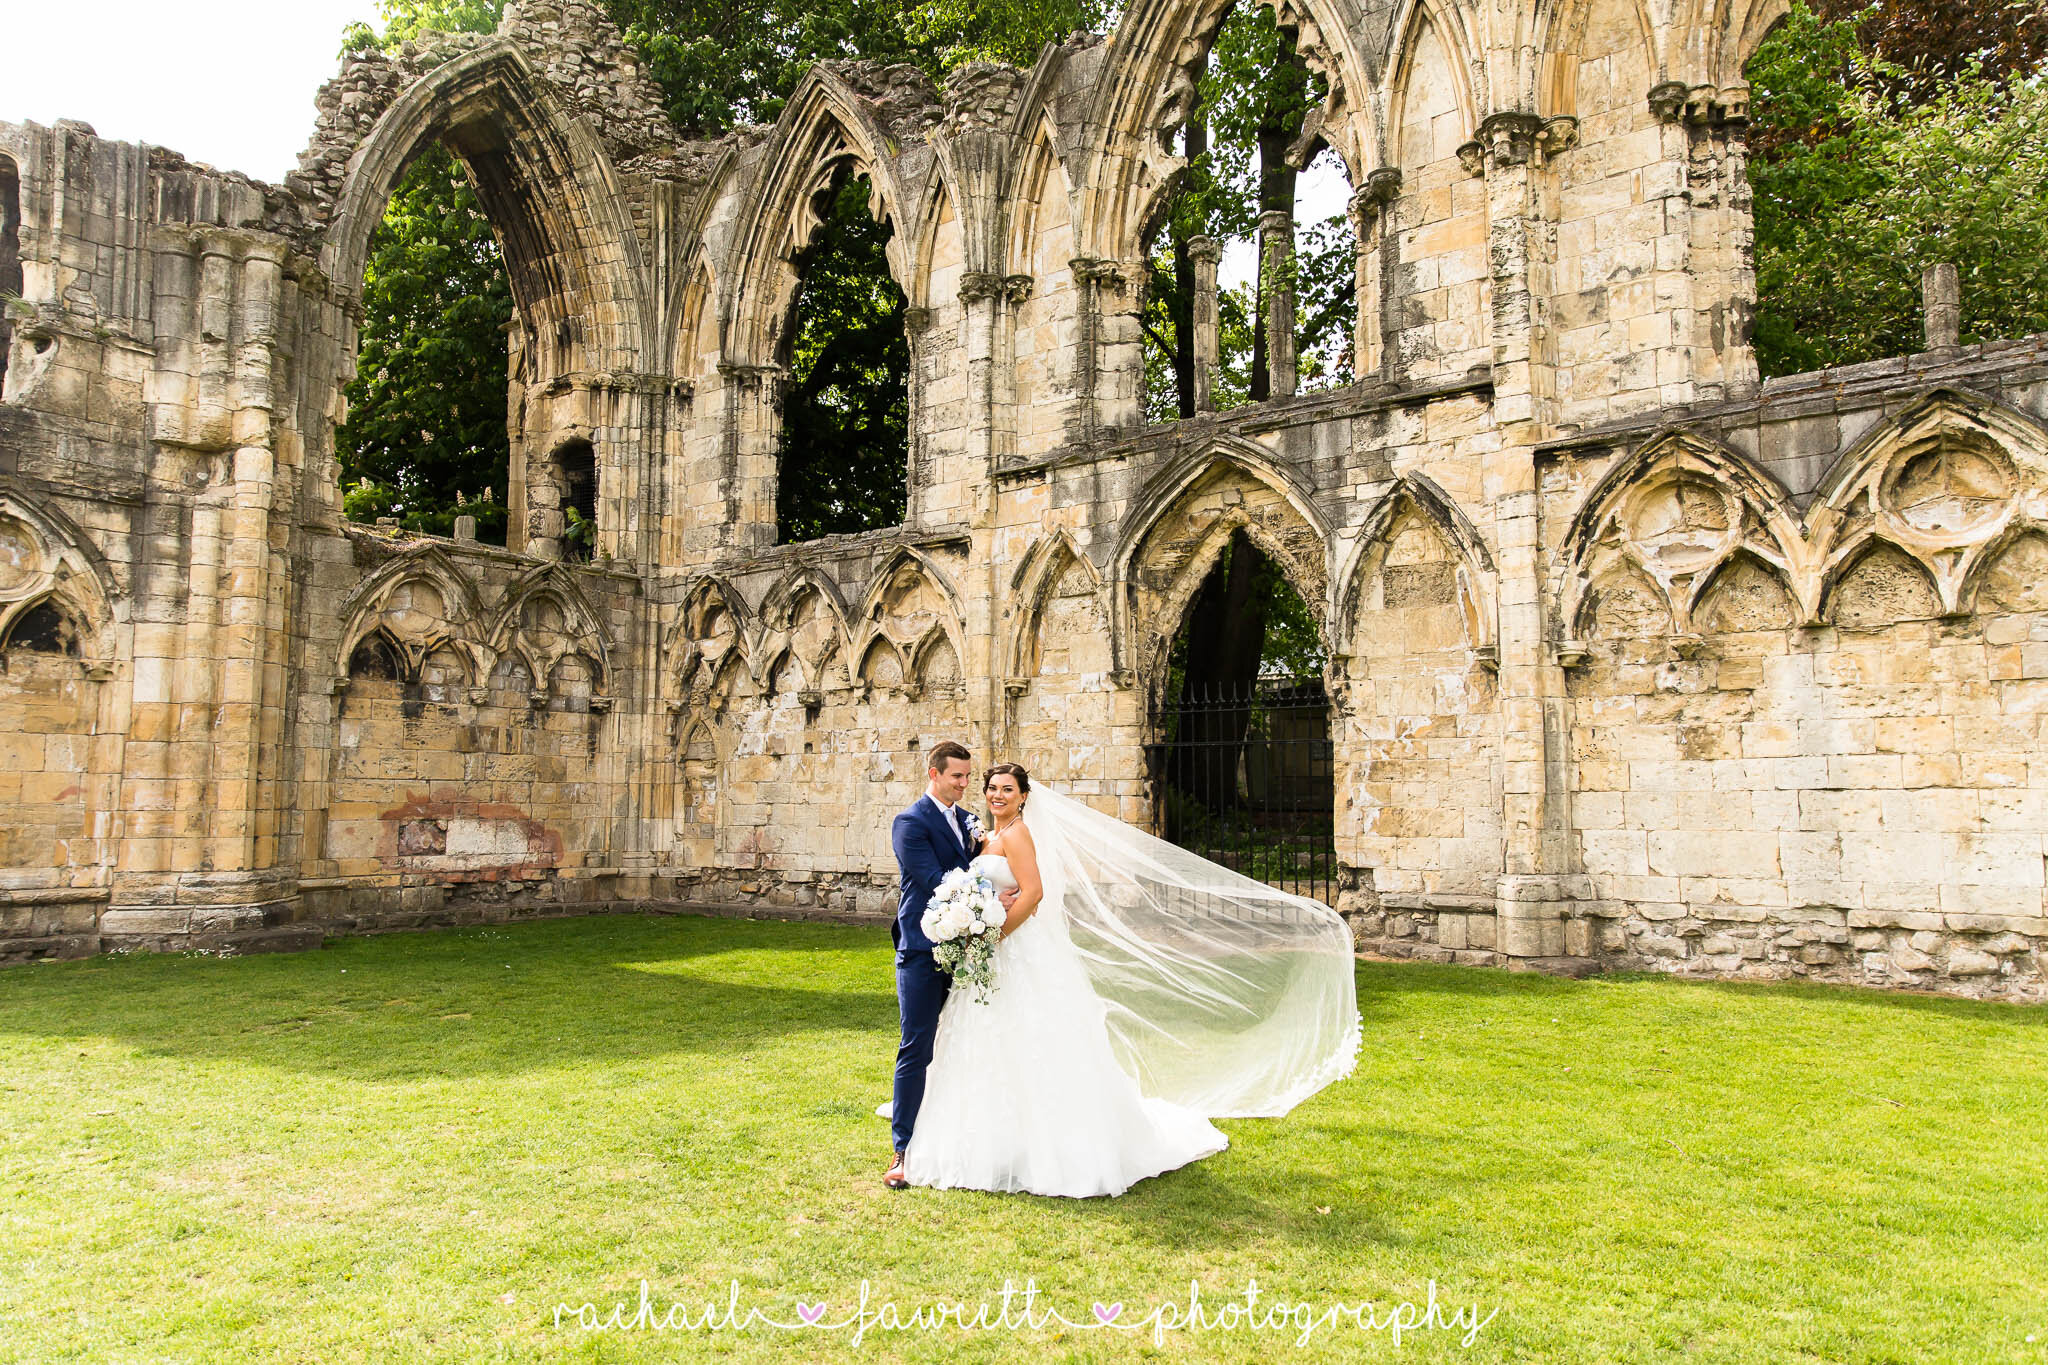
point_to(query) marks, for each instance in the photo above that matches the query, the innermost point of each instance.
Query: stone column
(1096, 278)
(1704, 282)
(1276, 256)
(1368, 211)
(515, 432)
(1941, 294)
(1016, 289)
(981, 303)
(1536, 886)
(747, 474)
(202, 803)
(1205, 252)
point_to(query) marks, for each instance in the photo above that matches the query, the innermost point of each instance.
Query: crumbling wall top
(570, 45)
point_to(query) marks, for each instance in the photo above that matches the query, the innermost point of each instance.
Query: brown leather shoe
(894, 1178)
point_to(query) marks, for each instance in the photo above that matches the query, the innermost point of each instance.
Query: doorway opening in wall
(1241, 763)
(843, 465)
(425, 440)
(1274, 234)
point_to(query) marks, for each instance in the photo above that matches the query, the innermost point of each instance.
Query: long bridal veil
(1224, 995)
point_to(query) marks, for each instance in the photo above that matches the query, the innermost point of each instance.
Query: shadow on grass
(497, 1000)
(507, 999)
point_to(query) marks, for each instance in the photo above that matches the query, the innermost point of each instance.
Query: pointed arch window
(843, 465)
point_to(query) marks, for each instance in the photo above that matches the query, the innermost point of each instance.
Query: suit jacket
(925, 852)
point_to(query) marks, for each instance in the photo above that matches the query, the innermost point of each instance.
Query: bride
(1140, 991)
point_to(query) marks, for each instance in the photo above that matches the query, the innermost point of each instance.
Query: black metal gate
(1244, 777)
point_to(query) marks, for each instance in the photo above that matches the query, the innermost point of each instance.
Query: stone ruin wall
(1635, 662)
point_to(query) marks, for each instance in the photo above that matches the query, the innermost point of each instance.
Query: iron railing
(1245, 778)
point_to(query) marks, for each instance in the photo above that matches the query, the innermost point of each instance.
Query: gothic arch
(541, 647)
(940, 212)
(696, 638)
(879, 660)
(1719, 605)
(894, 587)
(1913, 590)
(1416, 494)
(1039, 166)
(1174, 540)
(46, 558)
(699, 768)
(1445, 21)
(1031, 588)
(544, 179)
(1148, 85)
(1041, 149)
(1948, 480)
(365, 611)
(780, 619)
(694, 290)
(1729, 32)
(825, 127)
(695, 339)
(2026, 541)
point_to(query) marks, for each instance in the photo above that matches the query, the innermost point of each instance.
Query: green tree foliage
(1015, 31)
(722, 65)
(1925, 45)
(1253, 100)
(425, 437)
(846, 411)
(1880, 146)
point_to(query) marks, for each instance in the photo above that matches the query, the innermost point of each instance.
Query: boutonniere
(973, 825)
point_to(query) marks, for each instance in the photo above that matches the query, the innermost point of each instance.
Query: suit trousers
(921, 988)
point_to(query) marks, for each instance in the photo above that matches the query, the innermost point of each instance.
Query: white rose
(934, 924)
(958, 921)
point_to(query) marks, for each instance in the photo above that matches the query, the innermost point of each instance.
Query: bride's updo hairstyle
(1010, 770)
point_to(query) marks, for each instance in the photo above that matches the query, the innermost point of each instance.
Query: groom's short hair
(945, 752)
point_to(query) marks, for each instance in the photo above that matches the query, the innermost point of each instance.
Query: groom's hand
(1008, 897)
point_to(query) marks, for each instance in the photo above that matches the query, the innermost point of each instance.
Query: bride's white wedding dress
(1024, 1091)
(1150, 992)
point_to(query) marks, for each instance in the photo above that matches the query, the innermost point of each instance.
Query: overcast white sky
(227, 82)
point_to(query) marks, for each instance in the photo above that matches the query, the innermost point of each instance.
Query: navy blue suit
(926, 850)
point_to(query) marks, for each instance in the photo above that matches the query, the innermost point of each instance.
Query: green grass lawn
(416, 1146)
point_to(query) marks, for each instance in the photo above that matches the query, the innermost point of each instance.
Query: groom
(931, 838)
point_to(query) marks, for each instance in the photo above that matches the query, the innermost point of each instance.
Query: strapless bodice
(996, 868)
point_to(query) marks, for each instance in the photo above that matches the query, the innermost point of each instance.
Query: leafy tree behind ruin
(1254, 99)
(1886, 137)
(425, 437)
(845, 411)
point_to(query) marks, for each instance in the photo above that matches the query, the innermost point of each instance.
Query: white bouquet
(963, 921)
